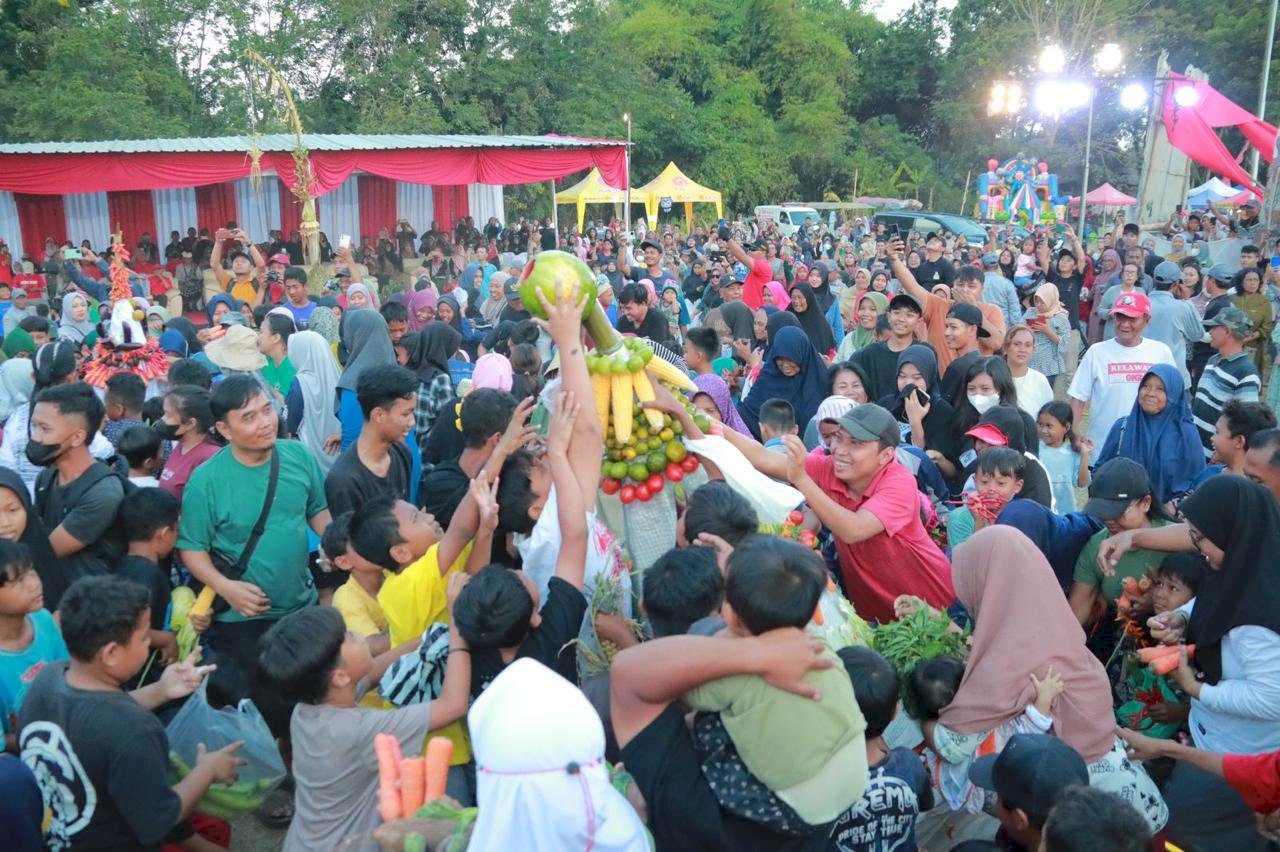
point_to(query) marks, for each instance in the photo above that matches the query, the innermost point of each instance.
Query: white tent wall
(10, 230)
(88, 219)
(175, 211)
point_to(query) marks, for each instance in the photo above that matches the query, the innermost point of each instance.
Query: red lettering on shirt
(1127, 372)
(30, 674)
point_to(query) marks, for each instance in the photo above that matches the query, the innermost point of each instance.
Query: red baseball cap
(280, 257)
(989, 434)
(1133, 304)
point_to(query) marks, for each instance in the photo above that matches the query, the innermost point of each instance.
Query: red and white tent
(84, 190)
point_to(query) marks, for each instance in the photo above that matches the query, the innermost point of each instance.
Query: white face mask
(983, 402)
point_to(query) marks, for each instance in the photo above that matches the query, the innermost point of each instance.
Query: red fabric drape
(1191, 129)
(40, 217)
(215, 206)
(377, 205)
(450, 203)
(134, 213)
(55, 174)
(290, 211)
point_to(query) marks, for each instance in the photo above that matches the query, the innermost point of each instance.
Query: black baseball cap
(903, 300)
(653, 244)
(970, 315)
(870, 422)
(1030, 772)
(511, 288)
(1115, 485)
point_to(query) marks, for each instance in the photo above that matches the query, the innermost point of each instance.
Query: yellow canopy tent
(590, 190)
(673, 184)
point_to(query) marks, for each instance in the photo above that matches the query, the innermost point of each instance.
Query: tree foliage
(764, 99)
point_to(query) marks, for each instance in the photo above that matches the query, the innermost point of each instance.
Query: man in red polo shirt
(871, 504)
(759, 272)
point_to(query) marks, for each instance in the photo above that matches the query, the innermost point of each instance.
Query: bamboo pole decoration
(964, 199)
(304, 178)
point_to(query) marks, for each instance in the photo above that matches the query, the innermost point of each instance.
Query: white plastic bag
(198, 723)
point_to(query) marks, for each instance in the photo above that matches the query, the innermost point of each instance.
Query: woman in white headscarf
(74, 323)
(541, 779)
(311, 416)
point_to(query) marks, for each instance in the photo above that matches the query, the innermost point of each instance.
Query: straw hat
(237, 350)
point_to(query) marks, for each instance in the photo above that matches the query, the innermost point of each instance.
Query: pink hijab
(779, 293)
(419, 299)
(1023, 625)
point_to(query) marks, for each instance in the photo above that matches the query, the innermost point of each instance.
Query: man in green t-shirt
(222, 502)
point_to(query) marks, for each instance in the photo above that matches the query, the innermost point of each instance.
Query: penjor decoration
(122, 346)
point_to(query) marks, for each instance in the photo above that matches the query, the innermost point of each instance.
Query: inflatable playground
(1021, 190)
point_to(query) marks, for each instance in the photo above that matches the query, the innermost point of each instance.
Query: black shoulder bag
(235, 570)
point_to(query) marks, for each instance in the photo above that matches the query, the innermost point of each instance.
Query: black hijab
(777, 321)
(939, 422)
(431, 348)
(1242, 518)
(739, 318)
(822, 293)
(36, 538)
(813, 319)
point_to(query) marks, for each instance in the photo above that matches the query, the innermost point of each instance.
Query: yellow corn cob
(600, 386)
(644, 393)
(621, 386)
(668, 373)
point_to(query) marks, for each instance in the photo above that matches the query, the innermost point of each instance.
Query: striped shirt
(1224, 379)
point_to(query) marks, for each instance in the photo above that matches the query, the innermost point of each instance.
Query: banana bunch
(619, 377)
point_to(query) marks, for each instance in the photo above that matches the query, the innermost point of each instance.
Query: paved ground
(249, 835)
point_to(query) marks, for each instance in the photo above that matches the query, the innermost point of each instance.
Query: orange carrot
(818, 617)
(411, 785)
(387, 747)
(1130, 586)
(1164, 665)
(439, 753)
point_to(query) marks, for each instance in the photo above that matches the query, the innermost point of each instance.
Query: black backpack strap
(260, 525)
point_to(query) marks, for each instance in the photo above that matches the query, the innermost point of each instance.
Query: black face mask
(166, 431)
(42, 455)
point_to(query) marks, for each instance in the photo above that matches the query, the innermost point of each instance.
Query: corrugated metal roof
(313, 141)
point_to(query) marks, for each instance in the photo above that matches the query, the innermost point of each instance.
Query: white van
(788, 217)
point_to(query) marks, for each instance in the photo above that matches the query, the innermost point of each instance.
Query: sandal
(276, 810)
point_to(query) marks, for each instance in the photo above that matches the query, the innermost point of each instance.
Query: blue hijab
(1166, 444)
(805, 391)
(1059, 537)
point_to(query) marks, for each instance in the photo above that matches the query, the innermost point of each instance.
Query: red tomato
(796, 517)
(807, 538)
(675, 472)
(643, 493)
(609, 485)
(627, 494)
(690, 464)
(655, 483)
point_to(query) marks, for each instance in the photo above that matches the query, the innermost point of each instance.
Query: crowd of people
(391, 480)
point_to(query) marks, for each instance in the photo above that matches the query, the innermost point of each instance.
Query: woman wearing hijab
(859, 312)
(1235, 625)
(212, 311)
(924, 416)
(359, 296)
(157, 320)
(1159, 434)
(325, 323)
(365, 335)
(422, 308)
(450, 311)
(715, 392)
(738, 317)
(792, 370)
(187, 329)
(1111, 264)
(429, 354)
(775, 295)
(310, 400)
(1011, 428)
(817, 281)
(541, 778)
(1023, 628)
(495, 299)
(73, 323)
(19, 522)
(804, 304)
(16, 380)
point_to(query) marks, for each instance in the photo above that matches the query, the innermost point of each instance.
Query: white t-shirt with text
(1108, 379)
